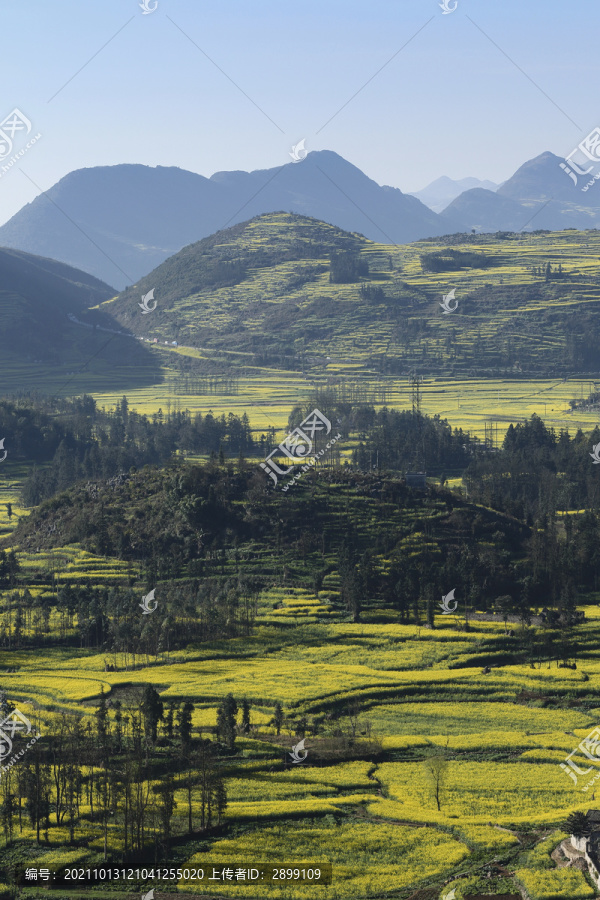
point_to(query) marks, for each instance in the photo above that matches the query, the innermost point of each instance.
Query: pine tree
(168, 720)
(246, 715)
(220, 797)
(278, 717)
(184, 724)
(430, 616)
(226, 714)
(102, 722)
(152, 709)
(118, 726)
(167, 805)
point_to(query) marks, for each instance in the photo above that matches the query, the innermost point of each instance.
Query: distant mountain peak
(441, 192)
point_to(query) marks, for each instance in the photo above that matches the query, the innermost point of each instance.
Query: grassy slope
(283, 302)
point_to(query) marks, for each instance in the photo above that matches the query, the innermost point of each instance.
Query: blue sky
(449, 102)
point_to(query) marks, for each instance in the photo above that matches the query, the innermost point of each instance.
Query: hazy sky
(233, 84)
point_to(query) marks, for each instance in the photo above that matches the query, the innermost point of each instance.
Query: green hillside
(44, 343)
(284, 290)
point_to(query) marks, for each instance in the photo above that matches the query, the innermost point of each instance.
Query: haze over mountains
(538, 196)
(130, 218)
(36, 296)
(444, 190)
(120, 222)
(47, 332)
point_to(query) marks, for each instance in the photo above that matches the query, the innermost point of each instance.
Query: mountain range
(539, 196)
(120, 222)
(444, 190)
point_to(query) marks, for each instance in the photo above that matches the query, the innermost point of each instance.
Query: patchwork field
(376, 822)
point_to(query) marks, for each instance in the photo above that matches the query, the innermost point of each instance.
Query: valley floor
(400, 694)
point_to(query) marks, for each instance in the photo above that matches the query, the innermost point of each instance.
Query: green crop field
(466, 403)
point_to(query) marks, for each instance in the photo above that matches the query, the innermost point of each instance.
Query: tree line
(108, 620)
(119, 771)
(73, 439)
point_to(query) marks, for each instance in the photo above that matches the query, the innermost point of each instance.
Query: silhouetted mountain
(63, 286)
(540, 195)
(130, 218)
(444, 190)
(486, 211)
(46, 330)
(543, 179)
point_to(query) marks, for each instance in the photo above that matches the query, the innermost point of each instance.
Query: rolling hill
(288, 290)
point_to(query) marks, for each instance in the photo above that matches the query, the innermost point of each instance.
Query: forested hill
(376, 542)
(289, 291)
(375, 539)
(176, 522)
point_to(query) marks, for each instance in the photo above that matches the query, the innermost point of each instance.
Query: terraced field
(285, 304)
(417, 692)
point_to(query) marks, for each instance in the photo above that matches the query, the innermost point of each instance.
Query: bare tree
(435, 772)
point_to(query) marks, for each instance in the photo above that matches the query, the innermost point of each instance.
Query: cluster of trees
(403, 440)
(9, 568)
(347, 267)
(227, 726)
(225, 272)
(548, 272)
(75, 440)
(163, 519)
(533, 476)
(109, 620)
(537, 472)
(472, 556)
(372, 293)
(119, 773)
(451, 260)
(220, 385)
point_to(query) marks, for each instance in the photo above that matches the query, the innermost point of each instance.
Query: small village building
(589, 845)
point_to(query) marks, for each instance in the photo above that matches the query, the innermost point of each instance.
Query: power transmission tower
(415, 385)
